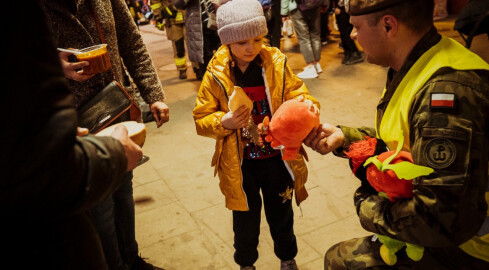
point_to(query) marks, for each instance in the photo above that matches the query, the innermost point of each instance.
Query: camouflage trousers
(363, 253)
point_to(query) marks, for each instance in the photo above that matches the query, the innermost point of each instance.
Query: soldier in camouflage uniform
(172, 19)
(437, 94)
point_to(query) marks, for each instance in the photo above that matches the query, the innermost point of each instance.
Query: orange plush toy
(290, 125)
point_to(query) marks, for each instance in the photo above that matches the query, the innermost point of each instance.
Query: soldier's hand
(325, 138)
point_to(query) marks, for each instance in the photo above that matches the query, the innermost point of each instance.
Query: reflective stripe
(180, 61)
(477, 247)
(169, 11)
(179, 17)
(156, 6)
(447, 53)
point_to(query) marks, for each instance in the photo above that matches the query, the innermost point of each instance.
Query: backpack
(308, 4)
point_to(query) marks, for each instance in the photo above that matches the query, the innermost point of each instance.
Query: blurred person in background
(172, 19)
(201, 30)
(352, 55)
(307, 25)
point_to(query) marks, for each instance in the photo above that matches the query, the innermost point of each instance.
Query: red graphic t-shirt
(260, 110)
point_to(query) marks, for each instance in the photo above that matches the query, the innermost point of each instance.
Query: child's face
(245, 51)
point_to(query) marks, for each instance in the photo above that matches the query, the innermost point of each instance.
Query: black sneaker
(355, 58)
(182, 75)
(346, 57)
(140, 264)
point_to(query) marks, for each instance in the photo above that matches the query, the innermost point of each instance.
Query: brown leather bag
(110, 106)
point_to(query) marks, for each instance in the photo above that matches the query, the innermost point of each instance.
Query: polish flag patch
(442, 100)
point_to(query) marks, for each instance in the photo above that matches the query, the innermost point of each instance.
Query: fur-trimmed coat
(74, 26)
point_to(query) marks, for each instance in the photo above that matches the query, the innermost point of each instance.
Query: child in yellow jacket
(244, 167)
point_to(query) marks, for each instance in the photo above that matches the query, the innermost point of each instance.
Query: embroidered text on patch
(442, 100)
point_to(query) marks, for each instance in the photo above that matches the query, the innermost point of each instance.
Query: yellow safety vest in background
(447, 53)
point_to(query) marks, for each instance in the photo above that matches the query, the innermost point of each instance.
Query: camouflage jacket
(448, 207)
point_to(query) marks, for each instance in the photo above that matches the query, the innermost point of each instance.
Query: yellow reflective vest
(447, 53)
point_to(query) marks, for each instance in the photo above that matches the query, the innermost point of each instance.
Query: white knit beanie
(240, 20)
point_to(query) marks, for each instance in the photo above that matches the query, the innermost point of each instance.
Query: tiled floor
(181, 220)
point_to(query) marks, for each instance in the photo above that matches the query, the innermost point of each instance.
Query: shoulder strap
(101, 34)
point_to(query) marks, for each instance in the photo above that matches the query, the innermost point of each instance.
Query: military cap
(361, 7)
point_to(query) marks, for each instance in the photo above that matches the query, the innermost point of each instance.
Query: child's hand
(236, 119)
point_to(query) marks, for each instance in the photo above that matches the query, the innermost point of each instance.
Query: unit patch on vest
(439, 153)
(442, 100)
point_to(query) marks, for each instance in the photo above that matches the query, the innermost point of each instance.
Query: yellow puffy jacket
(281, 84)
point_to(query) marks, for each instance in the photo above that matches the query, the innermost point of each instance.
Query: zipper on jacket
(287, 166)
(283, 83)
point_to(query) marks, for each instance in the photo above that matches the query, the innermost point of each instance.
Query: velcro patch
(442, 100)
(439, 153)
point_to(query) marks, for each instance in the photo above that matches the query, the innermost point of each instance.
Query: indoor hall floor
(181, 220)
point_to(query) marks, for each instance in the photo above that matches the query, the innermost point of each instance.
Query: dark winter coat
(77, 29)
(50, 177)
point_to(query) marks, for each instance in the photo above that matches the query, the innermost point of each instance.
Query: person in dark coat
(50, 176)
(75, 24)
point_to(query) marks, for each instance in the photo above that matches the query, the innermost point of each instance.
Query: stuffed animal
(390, 173)
(290, 125)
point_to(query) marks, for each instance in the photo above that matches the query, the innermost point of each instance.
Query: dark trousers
(115, 222)
(345, 28)
(324, 26)
(271, 176)
(211, 43)
(274, 25)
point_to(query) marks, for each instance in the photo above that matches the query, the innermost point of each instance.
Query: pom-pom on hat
(240, 20)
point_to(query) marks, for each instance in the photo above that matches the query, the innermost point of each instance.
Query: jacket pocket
(445, 149)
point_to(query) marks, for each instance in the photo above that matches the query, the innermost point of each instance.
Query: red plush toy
(382, 181)
(390, 173)
(290, 125)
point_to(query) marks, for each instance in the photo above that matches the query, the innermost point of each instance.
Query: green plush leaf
(400, 143)
(375, 161)
(407, 170)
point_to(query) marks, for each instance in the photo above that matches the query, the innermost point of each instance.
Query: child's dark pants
(271, 176)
